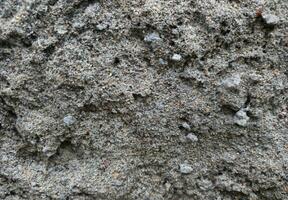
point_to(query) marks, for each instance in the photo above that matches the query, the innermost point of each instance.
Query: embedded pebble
(152, 37)
(78, 24)
(232, 82)
(101, 27)
(270, 20)
(61, 29)
(69, 120)
(162, 62)
(167, 186)
(185, 168)
(176, 57)
(241, 118)
(255, 78)
(92, 10)
(186, 126)
(192, 137)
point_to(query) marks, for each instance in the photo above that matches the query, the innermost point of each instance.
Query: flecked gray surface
(144, 99)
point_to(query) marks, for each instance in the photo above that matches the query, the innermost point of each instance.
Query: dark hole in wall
(49, 50)
(117, 61)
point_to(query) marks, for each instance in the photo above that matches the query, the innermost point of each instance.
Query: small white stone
(117, 183)
(78, 24)
(101, 27)
(69, 120)
(186, 126)
(185, 168)
(162, 62)
(61, 29)
(241, 118)
(176, 57)
(92, 10)
(270, 19)
(232, 82)
(255, 77)
(175, 31)
(168, 186)
(192, 137)
(152, 37)
(33, 184)
(48, 151)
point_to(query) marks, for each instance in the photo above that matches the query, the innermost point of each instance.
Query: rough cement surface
(144, 99)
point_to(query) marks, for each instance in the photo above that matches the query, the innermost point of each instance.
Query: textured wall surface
(144, 99)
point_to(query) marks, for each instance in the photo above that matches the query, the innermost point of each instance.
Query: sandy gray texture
(144, 99)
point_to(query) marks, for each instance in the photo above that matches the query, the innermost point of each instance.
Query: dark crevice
(89, 108)
(8, 108)
(6, 44)
(28, 151)
(49, 50)
(15, 39)
(5, 53)
(228, 110)
(248, 101)
(138, 97)
(117, 61)
(67, 145)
